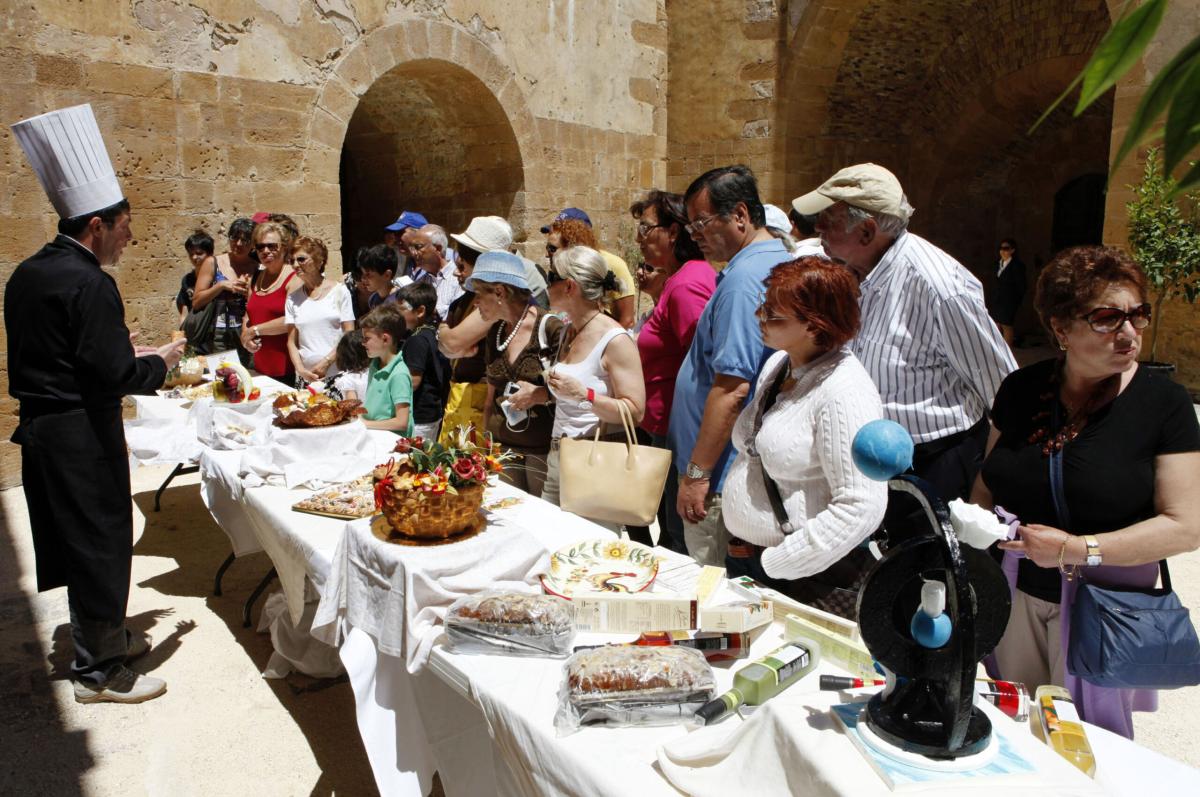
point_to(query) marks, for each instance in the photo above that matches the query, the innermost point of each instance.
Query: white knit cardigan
(804, 443)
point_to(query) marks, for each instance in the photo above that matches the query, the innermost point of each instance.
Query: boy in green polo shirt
(389, 384)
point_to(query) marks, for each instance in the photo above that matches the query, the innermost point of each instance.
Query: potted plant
(1164, 234)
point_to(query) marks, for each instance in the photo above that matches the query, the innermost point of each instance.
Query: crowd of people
(774, 337)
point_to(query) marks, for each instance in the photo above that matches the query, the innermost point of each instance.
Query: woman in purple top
(680, 281)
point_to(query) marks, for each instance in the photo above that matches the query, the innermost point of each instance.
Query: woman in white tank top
(598, 366)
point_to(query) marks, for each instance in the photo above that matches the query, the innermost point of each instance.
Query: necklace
(1052, 435)
(501, 346)
(562, 341)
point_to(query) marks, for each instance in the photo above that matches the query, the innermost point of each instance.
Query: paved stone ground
(221, 728)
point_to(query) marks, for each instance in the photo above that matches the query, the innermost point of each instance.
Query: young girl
(352, 363)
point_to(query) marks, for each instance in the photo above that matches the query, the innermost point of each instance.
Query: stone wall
(220, 108)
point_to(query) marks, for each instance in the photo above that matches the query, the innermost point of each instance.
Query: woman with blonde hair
(597, 367)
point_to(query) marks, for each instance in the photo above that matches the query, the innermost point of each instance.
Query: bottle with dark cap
(759, 681)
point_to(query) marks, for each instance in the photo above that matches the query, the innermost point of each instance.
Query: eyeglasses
(645, 227)
(769, 317)
(1110, 319)
(551, 249)
(267, 247)
(1006, 249)
(699, 224)
(300, 260)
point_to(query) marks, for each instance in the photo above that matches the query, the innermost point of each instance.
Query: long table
(484, 723)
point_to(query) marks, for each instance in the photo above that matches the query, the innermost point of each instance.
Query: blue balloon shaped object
(882, 450)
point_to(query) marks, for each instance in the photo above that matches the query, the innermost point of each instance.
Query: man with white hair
(926, 338)
(427, 248)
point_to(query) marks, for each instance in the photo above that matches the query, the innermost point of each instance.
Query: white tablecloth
(384, 604)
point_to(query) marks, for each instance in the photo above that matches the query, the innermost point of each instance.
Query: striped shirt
(927, 341)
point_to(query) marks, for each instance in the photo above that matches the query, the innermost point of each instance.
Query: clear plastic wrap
(620, 686)
(510, 624)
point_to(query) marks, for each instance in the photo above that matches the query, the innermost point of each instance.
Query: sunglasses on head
(1110, 319)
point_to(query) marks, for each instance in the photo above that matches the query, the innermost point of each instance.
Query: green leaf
(1189, 180)
(1156, 98)
(1056, 103)
(1182, 131)
(1119, 50)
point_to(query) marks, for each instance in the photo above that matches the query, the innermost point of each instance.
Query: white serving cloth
(315, 457)
(398, 594)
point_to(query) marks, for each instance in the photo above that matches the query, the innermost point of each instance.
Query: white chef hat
(67, 152)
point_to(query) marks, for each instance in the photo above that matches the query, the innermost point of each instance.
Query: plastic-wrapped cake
(510, 623)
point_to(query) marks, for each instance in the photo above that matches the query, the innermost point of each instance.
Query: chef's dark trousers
(76, 481)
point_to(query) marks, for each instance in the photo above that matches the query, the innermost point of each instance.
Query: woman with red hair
(795, 504)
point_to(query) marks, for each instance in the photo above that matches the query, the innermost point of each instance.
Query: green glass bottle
(759, 681)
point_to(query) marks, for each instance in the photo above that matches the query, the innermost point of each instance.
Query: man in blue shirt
(728, 223)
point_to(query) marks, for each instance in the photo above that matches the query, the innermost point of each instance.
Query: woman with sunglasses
(264, 329)
(680, 281)
(317, 313)
(1129, 448)
(597, 365)
(793, 501)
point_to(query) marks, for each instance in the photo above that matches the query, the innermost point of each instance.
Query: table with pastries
(491, 723)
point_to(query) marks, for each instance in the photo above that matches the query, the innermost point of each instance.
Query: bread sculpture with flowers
(431, 491)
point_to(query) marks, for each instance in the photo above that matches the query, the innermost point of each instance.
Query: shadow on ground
(32, 731)
(323, 711)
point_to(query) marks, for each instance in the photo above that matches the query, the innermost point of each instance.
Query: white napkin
(976, 526)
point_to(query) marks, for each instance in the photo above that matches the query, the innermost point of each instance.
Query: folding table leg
(221, 572)
(258, 591)
(166, 482)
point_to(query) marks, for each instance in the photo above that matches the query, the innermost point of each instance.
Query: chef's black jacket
(69, 363)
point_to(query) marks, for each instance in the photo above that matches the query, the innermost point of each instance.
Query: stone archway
(427, 136)
(456, 119)
(943, 92)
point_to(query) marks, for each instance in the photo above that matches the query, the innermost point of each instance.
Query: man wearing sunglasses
(926, 338)
(728, 223)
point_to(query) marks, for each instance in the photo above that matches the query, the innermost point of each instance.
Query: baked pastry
(188, 371)
(351, 500)
(305, 409)
(631, 685)
(511, 623)
(624, 670)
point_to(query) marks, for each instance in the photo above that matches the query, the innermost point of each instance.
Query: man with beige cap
(926, 338)
(70, 361)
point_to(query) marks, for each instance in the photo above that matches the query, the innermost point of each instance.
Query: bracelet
(1067, 570)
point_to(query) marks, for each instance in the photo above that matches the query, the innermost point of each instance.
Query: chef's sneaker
(123, 686)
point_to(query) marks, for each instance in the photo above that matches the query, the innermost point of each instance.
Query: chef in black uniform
(70, 360)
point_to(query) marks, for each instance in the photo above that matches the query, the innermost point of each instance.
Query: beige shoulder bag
(611, 481)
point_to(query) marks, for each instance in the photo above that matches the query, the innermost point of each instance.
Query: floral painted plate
(598, 566)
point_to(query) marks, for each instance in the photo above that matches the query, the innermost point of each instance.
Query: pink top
(667, 335)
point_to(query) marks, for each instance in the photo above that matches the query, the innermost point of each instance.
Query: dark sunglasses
(1110, 319)
(267, 247)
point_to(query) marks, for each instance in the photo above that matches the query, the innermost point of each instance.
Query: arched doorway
(1079, 212)
(428, 136)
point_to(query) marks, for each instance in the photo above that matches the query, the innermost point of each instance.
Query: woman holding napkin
(1129, 448)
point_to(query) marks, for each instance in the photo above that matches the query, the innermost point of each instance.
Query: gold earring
(1062, 346)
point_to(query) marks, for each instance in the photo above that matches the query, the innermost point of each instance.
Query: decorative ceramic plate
(600, 566)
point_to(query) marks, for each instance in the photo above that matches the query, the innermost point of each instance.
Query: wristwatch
(586, 404)
(1094, 557)
(694, 471)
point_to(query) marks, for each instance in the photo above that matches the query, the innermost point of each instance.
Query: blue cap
(407, 219)
(569, 213)
(502, 267)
